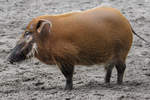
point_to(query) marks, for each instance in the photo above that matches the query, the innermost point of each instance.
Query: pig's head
(37, 30)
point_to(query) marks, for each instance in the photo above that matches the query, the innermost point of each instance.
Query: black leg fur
(120, 66)
(108, 69)
(67, 70)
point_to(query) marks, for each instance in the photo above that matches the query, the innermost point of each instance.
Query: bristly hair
(33, 51)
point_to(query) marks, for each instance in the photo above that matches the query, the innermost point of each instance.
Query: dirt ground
(33, 80)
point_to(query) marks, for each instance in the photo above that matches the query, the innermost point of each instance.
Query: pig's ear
(43, 26)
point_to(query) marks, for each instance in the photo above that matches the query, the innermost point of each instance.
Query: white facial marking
(33, 51)
(35, 47)
(28, 38)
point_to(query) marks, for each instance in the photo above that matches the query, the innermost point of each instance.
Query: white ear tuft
(43, 23)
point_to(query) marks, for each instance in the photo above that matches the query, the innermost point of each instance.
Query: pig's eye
(27, 33)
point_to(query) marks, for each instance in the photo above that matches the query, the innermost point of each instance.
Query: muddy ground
(32, 80)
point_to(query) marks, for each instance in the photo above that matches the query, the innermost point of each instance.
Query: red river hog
(100, 35)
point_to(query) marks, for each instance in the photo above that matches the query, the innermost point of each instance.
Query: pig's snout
(16, 55)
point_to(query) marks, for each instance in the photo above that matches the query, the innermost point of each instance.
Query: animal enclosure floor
(32, 80)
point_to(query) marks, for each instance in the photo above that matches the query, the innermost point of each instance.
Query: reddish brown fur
(96, 36)
(90, 37)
